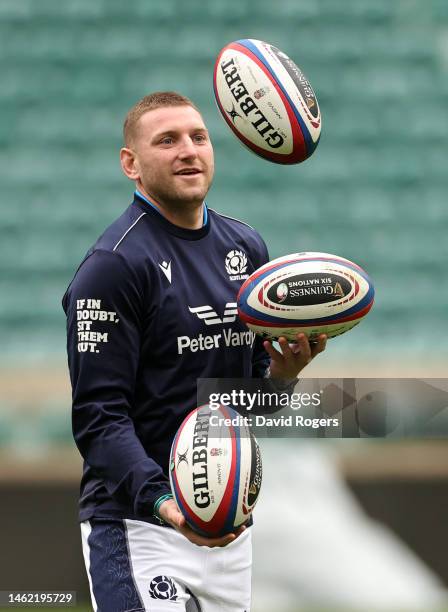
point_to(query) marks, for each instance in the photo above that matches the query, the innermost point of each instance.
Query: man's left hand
(292, 358)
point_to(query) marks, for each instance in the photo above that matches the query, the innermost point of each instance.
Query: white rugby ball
(215, 470)
(267, 101)
(313, 293)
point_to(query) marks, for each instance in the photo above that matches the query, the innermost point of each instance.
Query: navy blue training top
(151, 309)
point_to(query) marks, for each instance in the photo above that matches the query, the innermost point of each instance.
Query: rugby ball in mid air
(215, 470)
(313, 293)
(267, 101)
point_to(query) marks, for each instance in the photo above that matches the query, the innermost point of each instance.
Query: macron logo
(166, 269)
(209, 316)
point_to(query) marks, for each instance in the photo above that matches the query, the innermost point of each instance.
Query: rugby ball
(313, 293)
(267, 101)
(215, 470)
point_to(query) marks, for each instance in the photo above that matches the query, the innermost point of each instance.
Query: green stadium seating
(374, 191)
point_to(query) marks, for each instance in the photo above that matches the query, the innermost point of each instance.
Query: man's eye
(167, 140)
(200, 138)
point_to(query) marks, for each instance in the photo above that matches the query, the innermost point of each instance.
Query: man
(146, 316)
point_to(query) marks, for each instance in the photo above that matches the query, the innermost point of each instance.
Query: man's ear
(129, 164)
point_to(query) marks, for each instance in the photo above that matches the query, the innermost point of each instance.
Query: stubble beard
(178, 199)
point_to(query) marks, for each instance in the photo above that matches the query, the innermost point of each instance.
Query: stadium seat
(373, 191)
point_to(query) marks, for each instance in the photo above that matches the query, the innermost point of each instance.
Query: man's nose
(187, 148)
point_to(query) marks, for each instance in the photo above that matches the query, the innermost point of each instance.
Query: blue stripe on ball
(309, 143)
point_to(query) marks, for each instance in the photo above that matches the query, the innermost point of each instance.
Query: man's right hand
(169, 513)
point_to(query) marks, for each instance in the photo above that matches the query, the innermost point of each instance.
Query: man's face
(174, 156)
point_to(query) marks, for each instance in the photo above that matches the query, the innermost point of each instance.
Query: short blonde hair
(150, 102)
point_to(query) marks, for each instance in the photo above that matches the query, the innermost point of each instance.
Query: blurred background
(373, 192)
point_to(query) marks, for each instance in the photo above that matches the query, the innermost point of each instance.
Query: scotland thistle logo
(236, 262)
(163, 587)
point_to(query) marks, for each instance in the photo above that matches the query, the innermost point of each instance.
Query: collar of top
(181, 232)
